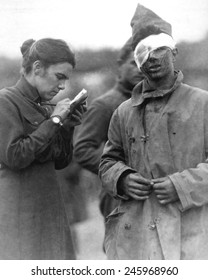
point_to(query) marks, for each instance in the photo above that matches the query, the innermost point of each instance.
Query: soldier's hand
(165, 190)
(136, 186)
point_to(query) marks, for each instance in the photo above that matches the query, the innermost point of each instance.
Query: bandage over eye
(149, 44)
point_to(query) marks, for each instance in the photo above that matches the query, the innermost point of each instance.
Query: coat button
(36, 123)
(132, 139)
(152, 226)
(127, 226)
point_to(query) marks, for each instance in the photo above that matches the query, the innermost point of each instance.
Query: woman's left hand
(75, 118)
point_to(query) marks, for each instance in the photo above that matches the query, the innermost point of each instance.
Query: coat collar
(28, 91)
(143, 91)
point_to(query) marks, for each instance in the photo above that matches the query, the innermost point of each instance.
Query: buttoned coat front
(33, 222)
(159, 134)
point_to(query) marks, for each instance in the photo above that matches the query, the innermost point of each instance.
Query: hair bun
(26, 46)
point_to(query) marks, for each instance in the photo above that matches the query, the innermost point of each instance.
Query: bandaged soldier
(154, 162)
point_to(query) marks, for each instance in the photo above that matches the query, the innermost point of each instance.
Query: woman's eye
(60, 77)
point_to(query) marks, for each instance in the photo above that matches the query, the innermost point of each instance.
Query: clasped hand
(70, 119)
(165, 190)
(139, 188)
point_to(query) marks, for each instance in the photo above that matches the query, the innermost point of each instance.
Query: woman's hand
(69, 118)
(62, 109)
(75, 118)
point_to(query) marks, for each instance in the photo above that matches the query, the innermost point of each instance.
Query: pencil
(50, 104)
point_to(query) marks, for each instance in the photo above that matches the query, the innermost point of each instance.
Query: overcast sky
(93, 23)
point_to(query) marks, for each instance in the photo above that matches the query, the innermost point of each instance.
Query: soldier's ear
(175, 53)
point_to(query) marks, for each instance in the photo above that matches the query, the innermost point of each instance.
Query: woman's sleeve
(63, 148)
(18, 150)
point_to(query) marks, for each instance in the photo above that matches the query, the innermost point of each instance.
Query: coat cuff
(183, 197)
(119, 171)
(67, 133)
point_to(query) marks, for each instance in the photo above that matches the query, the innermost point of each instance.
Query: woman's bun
(26, 46)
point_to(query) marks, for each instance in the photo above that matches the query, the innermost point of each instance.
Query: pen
(51, 104)
(81, 96)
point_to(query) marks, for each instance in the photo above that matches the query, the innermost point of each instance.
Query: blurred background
(96, 30)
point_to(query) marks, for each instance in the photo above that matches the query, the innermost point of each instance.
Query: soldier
(155, 159)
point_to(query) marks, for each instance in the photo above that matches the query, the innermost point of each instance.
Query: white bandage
(149, 44)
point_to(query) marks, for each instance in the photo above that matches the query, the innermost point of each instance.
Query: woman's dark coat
(33, 222)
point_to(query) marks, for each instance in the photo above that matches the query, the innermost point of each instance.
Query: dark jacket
(174, 123)
(33, 222)
(92, 135)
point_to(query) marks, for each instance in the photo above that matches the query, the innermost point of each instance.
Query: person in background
(36, 139)
(155, 159)
(70, 181)
(92, 134)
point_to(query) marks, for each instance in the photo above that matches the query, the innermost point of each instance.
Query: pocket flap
(115, 213)
(33, 117)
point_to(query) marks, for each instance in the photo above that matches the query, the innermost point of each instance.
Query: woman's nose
(61, 86)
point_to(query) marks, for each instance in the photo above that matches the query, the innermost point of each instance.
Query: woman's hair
(49, 51)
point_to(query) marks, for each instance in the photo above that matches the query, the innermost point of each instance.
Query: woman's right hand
(62, 109)
(75, 118)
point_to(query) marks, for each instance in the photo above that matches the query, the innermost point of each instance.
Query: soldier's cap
(145, 23)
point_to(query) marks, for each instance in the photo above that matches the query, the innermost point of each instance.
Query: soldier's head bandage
(149, 44)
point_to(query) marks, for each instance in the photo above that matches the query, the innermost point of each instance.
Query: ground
(89, 234)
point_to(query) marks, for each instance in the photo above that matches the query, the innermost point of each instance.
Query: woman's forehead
(64, 68)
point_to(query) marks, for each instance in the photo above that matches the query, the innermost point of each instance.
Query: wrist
(121, 190)
(121, 184)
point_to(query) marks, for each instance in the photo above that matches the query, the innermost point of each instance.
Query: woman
(35, 140)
